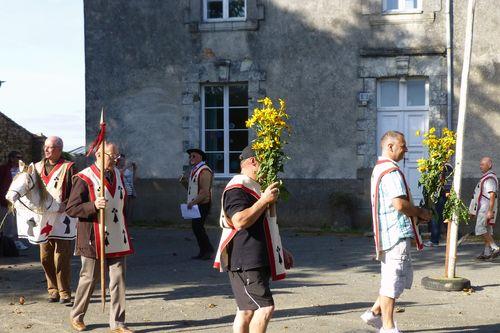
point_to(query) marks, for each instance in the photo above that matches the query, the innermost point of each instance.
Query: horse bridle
(32, 187)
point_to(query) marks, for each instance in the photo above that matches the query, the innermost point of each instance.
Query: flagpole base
(445, 284)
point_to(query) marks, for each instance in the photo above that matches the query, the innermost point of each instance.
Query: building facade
(178, 74)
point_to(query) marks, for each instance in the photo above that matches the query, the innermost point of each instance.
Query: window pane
(214, 118)
(415, 94)
(391, 4)
(216, 162)
(214, 9)
(214, 96)
(214, 140)
(238, 140)
(411, 4)
(236, 8)
(234, 162)
(389, 93)
(237, 118)
(238, 95)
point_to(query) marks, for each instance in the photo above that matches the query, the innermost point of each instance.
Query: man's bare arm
(403, 205)
(247, 217)
(491, 206)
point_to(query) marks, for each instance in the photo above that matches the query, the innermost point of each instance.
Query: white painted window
(224, 10)
(401, 94)
(224, 134)
(401, 6)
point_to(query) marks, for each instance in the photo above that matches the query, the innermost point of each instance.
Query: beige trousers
(55, 256)
(89, 275)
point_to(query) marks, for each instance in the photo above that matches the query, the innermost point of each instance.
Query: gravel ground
(334, 281)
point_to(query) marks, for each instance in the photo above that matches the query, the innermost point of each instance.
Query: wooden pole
(451, 249)
(102, 224)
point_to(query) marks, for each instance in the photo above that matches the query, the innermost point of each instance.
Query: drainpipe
(449, 60)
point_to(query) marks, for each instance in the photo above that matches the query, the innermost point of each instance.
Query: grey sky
(42, 62)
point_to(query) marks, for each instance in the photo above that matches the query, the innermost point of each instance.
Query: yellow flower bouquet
(270, 126)
(432, 169)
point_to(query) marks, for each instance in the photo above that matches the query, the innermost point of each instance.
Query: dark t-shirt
(248, 249)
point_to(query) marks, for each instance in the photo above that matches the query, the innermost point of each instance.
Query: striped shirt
(393, 225)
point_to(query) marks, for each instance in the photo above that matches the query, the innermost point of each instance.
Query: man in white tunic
(59, 230)
(199, 187)
(394, 225)
(484, 206)
(84, 203)
(250, 248)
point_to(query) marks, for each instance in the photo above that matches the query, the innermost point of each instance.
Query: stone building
(15, 137)
(178, 74)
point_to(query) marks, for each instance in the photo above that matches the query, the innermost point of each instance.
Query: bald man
(84, 203)
(394, 225)
(55, 250)
(484, 207)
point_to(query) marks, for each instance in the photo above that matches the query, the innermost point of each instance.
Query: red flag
(100, 137)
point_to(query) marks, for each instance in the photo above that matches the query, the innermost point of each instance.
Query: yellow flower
(432, 130)
(417, 133)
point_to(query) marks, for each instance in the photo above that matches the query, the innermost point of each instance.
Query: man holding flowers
(250, 248)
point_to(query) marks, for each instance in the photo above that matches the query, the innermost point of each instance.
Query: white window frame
(225, 13)
(402, 87)
(226, 151)
(401, 8)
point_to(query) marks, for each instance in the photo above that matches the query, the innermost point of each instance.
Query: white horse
(28, 191)
(37, 211)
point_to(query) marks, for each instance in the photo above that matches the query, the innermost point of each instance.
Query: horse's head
(22, 183)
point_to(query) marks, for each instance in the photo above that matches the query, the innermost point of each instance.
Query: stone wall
(15, 137)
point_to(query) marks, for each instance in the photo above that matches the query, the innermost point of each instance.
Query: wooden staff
(102, 223)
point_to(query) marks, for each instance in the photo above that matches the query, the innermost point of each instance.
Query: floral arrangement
(441, 150)
(270, 125)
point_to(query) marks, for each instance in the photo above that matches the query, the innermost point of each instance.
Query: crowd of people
(250, 250)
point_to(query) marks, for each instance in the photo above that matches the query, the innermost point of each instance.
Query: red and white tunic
(194, 176)
(117, 239)
(51, 224)
(481, 198)
(273, 239)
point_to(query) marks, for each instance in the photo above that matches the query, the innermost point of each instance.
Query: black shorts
(251, 288)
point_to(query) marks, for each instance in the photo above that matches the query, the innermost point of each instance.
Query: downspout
(449, 62)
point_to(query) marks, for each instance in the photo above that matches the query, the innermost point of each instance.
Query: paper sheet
(189, 214)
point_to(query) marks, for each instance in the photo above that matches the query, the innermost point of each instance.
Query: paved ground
(334, 282)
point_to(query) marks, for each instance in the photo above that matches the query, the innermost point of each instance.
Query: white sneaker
(370, 319)
(20, 246)
(390, 330)
(430, 244)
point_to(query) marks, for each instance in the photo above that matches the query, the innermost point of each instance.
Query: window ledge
(401, 18)
(402, 12)
(228, 26)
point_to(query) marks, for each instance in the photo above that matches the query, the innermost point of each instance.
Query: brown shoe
(78, 325)
(53, 298)
(122, 329)
(65, 300)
